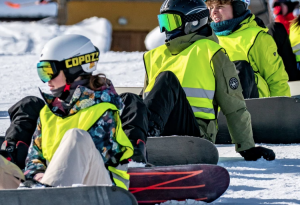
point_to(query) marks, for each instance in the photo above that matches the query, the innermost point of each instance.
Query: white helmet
(74, 54)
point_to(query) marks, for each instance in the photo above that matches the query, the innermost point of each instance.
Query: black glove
(255, 153)
(15, 153)
(8, 153)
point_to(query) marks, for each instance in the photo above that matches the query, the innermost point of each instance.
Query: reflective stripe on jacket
(196, 59)
(84, 119)
(295, 40)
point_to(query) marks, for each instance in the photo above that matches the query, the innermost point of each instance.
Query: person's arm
(281, 38)
(233, 106)
(35, 162)
(265, 59)
(232, 102)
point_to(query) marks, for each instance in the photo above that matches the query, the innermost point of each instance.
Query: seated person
(250, 47)
(190, 77)
(282, 40)
(79, 137)
(283, 11)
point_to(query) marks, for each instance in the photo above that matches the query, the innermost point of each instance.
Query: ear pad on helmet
(239, 8)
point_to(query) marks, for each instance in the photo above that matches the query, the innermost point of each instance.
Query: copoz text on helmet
(80, 60)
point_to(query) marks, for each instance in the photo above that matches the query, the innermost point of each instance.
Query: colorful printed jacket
(102, 132)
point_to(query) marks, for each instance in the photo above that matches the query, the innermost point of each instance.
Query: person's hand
(255, 153)
(38, 177)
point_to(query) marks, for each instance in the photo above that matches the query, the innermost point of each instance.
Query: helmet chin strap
(66, 92)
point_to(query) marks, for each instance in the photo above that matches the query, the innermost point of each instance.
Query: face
(220, 13)
(284, 9)
(57, 82)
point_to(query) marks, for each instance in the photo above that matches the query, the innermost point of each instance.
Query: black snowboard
(92, 195)
(180, 150)
(155, 185)
(274, 120)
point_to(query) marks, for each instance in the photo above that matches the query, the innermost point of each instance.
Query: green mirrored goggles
(47, 71)
(169, 22)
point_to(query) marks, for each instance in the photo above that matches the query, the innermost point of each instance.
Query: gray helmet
(194, 13)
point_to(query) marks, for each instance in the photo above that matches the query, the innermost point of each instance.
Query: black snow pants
(167, 99)
(24, 115)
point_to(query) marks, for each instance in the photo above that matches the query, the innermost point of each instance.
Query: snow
(32, 36)
(27, 11)
(260, 182)
(154, 39)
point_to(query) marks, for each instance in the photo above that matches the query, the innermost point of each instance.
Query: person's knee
(167, 75)
(77, 135)
(30, 104)
(129, 97)
(32, 101)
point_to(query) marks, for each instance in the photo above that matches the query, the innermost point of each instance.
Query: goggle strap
(196, 17)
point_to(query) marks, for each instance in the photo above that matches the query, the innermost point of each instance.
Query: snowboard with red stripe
(200, 182)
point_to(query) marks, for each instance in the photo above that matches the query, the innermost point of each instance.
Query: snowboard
(274, 120)
(180, 150)
(155, 185)
(89, 195)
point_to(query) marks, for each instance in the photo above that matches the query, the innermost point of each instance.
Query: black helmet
(194, 13)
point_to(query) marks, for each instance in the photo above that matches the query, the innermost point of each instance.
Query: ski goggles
(48, 70)
(169, 22)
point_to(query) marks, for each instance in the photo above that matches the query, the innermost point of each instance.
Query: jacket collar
(250, 22)
(84, 97)
(179, 44)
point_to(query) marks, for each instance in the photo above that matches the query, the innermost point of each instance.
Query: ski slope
(260, 182)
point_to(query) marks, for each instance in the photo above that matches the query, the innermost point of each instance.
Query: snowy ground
(261, 182)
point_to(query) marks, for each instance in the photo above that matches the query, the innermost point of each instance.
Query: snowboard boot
(155, 125)
(153, 129)
(140, 152)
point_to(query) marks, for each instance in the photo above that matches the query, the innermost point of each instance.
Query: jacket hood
(251, 22)
(83, 98)
(175, 46)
